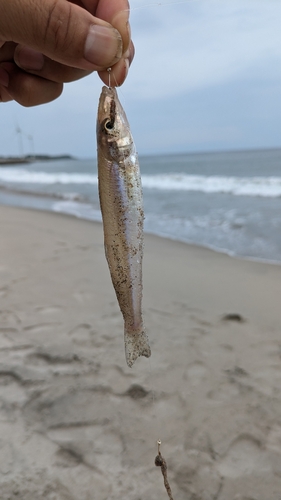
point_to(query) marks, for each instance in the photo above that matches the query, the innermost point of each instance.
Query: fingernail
(4, 78)
(129, 54)
(127, 65)
(29, 59)
(103, 46)
(120, 72)
(121, 23)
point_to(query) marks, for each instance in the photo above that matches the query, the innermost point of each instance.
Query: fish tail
(136, 344)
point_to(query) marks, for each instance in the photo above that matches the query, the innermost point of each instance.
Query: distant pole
(31, 141)
(20, 143)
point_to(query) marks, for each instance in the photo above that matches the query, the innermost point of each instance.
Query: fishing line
(151, 387)
(153, 396)
(117, 84)
(109, 75)
(150, 5)
(159, 4)
(159, 460)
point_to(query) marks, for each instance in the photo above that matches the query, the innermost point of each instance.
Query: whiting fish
(120, 194)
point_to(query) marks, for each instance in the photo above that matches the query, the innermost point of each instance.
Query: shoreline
(189, 243)
(233, 214)
(196, 253)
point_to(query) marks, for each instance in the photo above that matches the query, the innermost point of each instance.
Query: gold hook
(159, 444)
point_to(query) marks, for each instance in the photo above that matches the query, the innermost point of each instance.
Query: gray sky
(206, 76)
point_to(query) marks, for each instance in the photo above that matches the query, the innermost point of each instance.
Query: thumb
(62, 31)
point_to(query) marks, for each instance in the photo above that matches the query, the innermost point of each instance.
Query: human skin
(45, 43)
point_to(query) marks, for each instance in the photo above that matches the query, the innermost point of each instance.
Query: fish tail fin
(136, 344)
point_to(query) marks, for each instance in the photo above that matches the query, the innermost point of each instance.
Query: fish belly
(121, 205)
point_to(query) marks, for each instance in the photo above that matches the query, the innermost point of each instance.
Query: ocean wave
(41, 194)
(22, 176)
(239, 186)
(80, 210)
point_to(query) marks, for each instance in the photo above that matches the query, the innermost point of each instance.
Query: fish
(121, 201)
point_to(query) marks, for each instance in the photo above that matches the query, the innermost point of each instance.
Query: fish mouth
(108, 91)
(107, 105)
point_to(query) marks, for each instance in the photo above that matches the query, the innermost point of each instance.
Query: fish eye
(109, 125)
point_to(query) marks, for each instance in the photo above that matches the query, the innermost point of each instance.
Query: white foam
(80, 210)
(22, 176)
(239, 186)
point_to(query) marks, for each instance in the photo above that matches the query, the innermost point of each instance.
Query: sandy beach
(77, 424)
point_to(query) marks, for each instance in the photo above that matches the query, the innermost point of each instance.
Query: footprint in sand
(82, 297)
(235, 317)
(41, 327)
(269, 348)
(244, 457)
(6, 337)
(8, 457)
(196, 373)
(49, 310)
(4, 291)
(5, 343)
(274, 439)
(31, 486)
(54, 355)
(9, 318)
(82, 334)
(92, 445)
(22, 374)
(8, 331)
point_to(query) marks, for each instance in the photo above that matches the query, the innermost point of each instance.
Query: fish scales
(120, 193)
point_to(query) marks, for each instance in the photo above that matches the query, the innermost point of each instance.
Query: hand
(44, 43)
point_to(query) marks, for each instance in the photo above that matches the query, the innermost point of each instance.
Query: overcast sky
(206, 76)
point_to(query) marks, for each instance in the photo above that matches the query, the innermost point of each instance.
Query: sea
(227, 201)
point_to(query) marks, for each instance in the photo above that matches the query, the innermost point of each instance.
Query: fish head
(113, 131)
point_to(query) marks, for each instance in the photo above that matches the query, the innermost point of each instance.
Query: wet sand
(77, 424)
